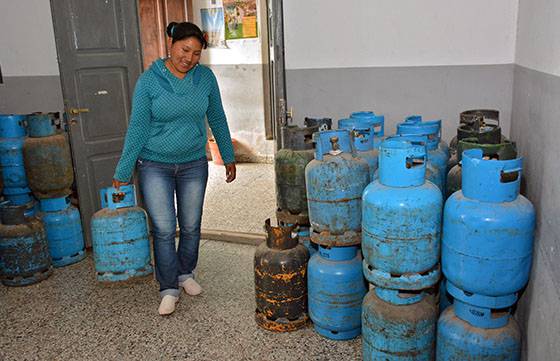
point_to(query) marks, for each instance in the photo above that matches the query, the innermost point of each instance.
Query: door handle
(76, 111)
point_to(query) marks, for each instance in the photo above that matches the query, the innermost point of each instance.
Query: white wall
(538, 35)
(368, 33)
(27, 44)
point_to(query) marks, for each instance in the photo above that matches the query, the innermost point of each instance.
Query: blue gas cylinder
(119, 231)
(371, 119)
(336, 288)
(363, 137)
(24, 252)
(64, 231)
(398, 325)
(488, 233)
(459, 341)
(437, 154)
(13, 167)
(335, 180)
(401, 223)
(417, 119)
(12, 126)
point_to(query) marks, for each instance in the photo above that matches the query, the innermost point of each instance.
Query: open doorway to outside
(244, 64)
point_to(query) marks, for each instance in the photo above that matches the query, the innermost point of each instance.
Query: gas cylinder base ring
(25, 281)
(280, 324)
(349, 238)
(337, 335)
(125, 275)
(405, 282)
(68, 260)
(285, 216)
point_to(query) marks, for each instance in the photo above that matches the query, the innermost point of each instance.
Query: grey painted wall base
(28, 94)
(536, 128)
(433, 91)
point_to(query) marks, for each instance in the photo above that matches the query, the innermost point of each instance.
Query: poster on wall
(240, 19)
(213, 26)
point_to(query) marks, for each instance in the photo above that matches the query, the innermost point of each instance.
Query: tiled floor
(72, 317)
(243, 205)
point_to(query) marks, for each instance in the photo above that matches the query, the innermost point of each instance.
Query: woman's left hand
(230, 172)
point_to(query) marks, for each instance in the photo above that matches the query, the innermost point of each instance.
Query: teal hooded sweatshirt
(168, 119)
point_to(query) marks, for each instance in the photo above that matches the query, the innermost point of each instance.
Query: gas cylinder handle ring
(118, 197)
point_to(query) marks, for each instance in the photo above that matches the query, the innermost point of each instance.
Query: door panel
(99, 59)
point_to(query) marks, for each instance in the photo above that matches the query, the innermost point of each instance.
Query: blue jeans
(159, 182)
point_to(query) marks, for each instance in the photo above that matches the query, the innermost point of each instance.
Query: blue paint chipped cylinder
(24, 253)
(119, 231)
(335, 180)
(363, 137)
(488, 232)
(336, 288)
(398, 325)
(457, 340)
(48, 163)
(12, 163)
(401, 222)
(438, 151)
(64, 231)
(12, 126)
(370, 119)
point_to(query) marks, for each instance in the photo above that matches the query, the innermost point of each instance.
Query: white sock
(167, 305)
(191, 287)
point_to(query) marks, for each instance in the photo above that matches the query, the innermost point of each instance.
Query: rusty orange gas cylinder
(281, 280)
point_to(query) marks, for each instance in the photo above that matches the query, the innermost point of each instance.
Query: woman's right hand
(117, 183)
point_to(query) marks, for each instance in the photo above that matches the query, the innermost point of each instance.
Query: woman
(166, 141)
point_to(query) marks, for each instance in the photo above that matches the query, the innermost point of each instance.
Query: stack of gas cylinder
(280, 263)
(48, 164)
(41, 162)
(487, 246)
(401, 227)
(15, 185)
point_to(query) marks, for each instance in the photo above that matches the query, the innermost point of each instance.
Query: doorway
(246, 74)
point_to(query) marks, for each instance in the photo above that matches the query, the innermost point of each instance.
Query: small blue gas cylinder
(459, 341)
(488, 232)
(336, 288)
(24, 252)
(398, 325)
(438, 154)
(401, 223)
(12, 126)
(119, 231)
(363, 137)
(335, 180)
(64, 231)
(370, 119)
(11, 160)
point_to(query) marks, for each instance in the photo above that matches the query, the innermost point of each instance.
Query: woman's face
(185, 54)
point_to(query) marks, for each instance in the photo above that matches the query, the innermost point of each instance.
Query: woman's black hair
(180, 31)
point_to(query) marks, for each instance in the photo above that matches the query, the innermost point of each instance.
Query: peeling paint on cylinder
(24, 253)
(336, 290)
(401, 223)
(48, 162)
(335, 180)
(405, 331)
(459, 341)
(121, 247)
(280, 266)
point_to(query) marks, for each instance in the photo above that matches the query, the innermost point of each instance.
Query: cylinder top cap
(281, 237)
(333, 142)
(54, 204)
(12, 126)
(121, 198)
(297, 138)
(338, 253)
(41, 124)
(370, 119)
(402, 162)
(490, 180)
